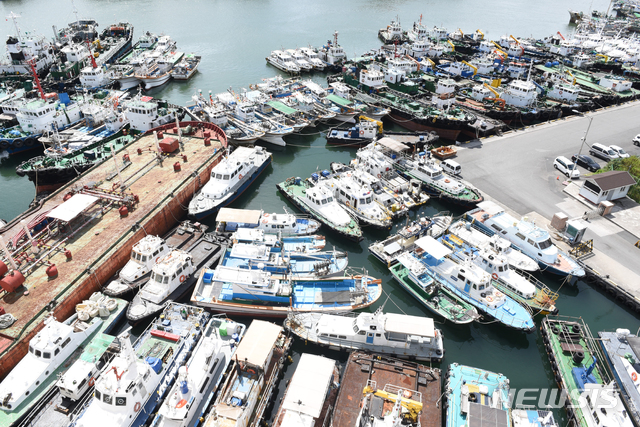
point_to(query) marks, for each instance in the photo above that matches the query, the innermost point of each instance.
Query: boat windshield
(138, 257)
(355, 326)
(545, 244)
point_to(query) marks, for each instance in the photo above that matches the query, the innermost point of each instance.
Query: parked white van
(451, 167)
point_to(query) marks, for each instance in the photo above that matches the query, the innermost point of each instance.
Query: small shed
(611, 185)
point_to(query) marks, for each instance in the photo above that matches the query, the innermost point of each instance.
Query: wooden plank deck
(104, 244)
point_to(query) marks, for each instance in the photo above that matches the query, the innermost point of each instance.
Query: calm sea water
(235, 36)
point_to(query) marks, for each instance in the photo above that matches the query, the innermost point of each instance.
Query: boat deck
(160, 192)
(385, 370)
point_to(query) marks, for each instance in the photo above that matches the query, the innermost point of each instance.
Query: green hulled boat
(317, 200)
(591, 397)
(436, 298)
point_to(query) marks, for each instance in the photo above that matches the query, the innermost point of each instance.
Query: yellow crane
(499, 49)
(475, 69)
(571, 74)
(453, 48)
(369, 119)
(606, 58)
(410, 405)
(481, 33)
(461, 33)
(433, 64)
(495, 92)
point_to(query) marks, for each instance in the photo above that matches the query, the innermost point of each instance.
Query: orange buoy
(12, 281)
(181, 403)
(52, 270)
(124, 211)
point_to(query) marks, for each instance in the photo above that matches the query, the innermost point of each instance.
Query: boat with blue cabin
(305, 244)
(229, 179)
(130, 388)
(284, 224)
(474, 395)
(525, 236)
(472, 284)
(256, 292)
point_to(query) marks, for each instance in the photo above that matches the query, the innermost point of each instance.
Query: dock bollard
(176, 167)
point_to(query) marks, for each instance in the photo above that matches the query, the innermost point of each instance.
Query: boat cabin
(167, 275)
(520, 93)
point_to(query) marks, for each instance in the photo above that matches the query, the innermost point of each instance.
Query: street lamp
(584, 139)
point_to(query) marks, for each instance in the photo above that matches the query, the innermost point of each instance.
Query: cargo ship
(67, 246)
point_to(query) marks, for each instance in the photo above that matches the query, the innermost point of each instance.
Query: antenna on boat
(13, 17)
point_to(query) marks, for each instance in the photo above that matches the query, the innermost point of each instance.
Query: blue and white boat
(304, 244)
(533, 418)
(284, 224)
(256, 292)
(526, 236)
(229, 178)
(296, 264)
(199, 379)
(472, 284)
(473, 395)
(130, 387)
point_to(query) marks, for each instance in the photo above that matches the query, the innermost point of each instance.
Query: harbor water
(233, 38)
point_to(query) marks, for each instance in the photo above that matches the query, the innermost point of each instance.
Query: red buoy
(52, 271)
(184, 158)
(124, 211)
(177, 167)
(68, 254)
(139, 151)
(3, 268)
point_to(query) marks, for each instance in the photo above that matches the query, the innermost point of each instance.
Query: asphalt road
(517, 169)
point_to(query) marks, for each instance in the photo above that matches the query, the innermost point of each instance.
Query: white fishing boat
(145, 113)
(186, 68)
(311, 393)
(525, 236)
(402, 336)
(229, 178)
(23, 48)
(200, 377)
(284, 224)
(303, 244)
(159, 72)
(283, 61)
(144, 256)
(388, 250)
(48, 349)
(473, 236)
(300, 59)
(312, 57)
(332, 53)
(247, 389)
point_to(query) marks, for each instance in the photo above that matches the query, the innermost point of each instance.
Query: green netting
(281, 107)
(96, 348)
(338, 100)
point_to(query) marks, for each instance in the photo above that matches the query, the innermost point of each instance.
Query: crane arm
(411, 58)
(452, 45)
(481, 33)
(475, 69)
(495, 92)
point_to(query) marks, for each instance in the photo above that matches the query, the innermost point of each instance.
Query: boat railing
(545, 292)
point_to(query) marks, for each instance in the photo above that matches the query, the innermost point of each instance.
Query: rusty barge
(70, 244)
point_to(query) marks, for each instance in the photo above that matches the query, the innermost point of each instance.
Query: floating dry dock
(85, 231)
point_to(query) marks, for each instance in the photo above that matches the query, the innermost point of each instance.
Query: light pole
(584, 139)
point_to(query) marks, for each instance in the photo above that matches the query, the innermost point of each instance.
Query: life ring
(634, 376)
(137, 407)
(498, 294)
(92, 382)
(489, 298)
(495, 276)
(240, 176)
(446, 180)
(120, 119)
(264, 221)
(361, 132)
(265, 215)
(347, 203)
(182, 278)
(379, 175)
(157, 260)
(407, 394)
(251, 371)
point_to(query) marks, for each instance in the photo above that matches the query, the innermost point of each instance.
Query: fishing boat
(186, 68)
(437, 183)
(445, 152)
(579, 373)
(475, 394)
(379, 390)
(312, 57)
(522, 287)
(388, 250)
(360, 134)
(476, 237)
(392, 33)
(246, 391)
(311, 394)
(471, 284)
(285, 244)
(398, 335)
(149, 251)
(130, 388)
(622, 356)
(332, 54)
(285, 224)
(318, 201)
(359, 201)
(296, 264)
(26, 53)
(200, 377)
(229, 179)
(158, 72)
(325, 101)
(36, 382)
(174, 276)
(299, 59)
(413, 277)
(533, 418)
(256, 292)
(525, 236)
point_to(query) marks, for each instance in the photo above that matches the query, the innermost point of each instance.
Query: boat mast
(13, 17)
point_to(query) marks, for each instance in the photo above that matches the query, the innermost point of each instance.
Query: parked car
(636, 140)
(604, 152)
(586, 162)
(566, 167)
(621, 153)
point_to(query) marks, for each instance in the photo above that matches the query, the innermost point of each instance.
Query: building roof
(244, 216)
(72, 207)
(613, 179)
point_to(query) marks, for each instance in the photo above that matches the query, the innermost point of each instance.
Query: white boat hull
(155, 82)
